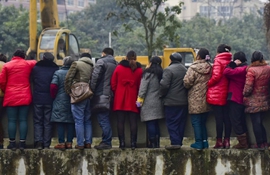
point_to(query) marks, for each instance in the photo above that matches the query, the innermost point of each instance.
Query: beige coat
(196, 80)
(1, 67)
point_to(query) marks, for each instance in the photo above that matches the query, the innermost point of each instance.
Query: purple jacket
(237, 79)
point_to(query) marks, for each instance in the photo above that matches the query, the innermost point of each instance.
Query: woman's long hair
(155, 68)
(132, 57)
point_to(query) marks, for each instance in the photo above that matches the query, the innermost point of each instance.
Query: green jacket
(80, 71)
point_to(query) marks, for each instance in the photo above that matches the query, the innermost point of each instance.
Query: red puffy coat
(125, 84)
(218, 83)
(15, 82)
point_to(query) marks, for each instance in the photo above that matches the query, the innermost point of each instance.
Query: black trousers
(258, 128)
(132, 117)
(222, 118)
(238, 118)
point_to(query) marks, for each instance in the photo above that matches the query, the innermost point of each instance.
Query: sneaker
(60, 146)
(39, 145)
(22, 145)
(12, 145)
(79, 147)
(172, 147)
(87, 145)
(102, 146)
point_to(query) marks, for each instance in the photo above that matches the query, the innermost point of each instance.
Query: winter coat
(237, 79)
(1, 67)
(80, 71)
(125, 84)
(196, 79)
(256, 90)
(218, 83)
(15, 82)
(152, 107)
(42, 75)
(61, 111)
(172, 88)
(101, 76)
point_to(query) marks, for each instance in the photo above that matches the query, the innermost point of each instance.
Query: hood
(86, 60)
(201, 66)
(224, 56)
(258, 63)
(125, 63)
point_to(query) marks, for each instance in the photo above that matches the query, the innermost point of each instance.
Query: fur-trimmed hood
(125, 63)
(258, 63)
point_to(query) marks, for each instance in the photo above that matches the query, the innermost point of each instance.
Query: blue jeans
(13, 112)
(198, 122)
(69, 127)
(83, 126)
(104, 123)
(176, 117)
(152, 128)
(42, 124)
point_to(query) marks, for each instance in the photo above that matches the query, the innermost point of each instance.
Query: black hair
(203, 52)
(132, 57)
(108, 51)
(155, 68)
(20, 53)
(3, 58)
(223, 48)
(240, 56)
(256, 56)
(88, 55)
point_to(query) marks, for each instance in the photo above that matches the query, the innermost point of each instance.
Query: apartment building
(64, 6)
(220, 9)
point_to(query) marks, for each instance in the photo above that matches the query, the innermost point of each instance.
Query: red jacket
(218, 83)
(237, 79)
(125, 84)
(15, 82)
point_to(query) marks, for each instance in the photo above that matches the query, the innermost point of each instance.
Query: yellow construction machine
(188, 54)
(59, 41)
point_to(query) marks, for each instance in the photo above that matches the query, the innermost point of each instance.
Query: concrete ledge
(185, 161)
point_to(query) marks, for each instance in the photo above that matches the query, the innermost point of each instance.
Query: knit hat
(240, 56)
(67, 61)
(19, 53)
(256, 56)
(176, 57)
(88, 55)
(48, 56)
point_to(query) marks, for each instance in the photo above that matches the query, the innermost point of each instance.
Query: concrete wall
(138, 162)
(142, 129)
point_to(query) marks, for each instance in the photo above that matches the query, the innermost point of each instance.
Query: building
(218, 9)
(64, 6)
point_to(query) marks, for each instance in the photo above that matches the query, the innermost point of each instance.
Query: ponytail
(133, 64)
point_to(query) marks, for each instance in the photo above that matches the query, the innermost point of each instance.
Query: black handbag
(79, 92)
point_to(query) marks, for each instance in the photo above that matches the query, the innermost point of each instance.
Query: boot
(205, 144)
(197, 133)
(218, 144)
(242, 142)
(133, 142)
(153, 142)
(122, 144)
(12, 145)
(157, 141)
(22, 145)
(226, 143)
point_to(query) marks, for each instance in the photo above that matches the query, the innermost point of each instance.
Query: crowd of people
(230, 87)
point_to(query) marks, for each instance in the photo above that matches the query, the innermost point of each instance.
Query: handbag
(101, 103)
(79, 92)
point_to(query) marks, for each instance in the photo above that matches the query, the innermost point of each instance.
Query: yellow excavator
(59, 41)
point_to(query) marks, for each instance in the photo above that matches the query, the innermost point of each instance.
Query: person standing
(3, 60)
(196, 79)
(125, 84)
(103, 95)
(15, 83)
(148, 99)
(42, 76)
(236, 74)
(256, 96)
(61, 111)
(174, 94)
(217, 95)
(80, 71)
